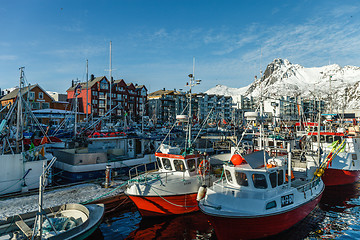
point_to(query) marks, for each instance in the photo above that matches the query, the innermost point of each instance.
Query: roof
(90, 83)
(14, 93)
(161, 92)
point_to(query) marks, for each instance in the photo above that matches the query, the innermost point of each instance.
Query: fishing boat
(173, 187)
(69, 221)
(88, 162)
(20, 166)
(255, 198)
(339, 158)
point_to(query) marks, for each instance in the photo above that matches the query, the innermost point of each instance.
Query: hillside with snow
(282, 78)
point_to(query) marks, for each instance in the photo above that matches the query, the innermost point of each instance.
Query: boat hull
(152, 206)
(336, 177)
(259, 227)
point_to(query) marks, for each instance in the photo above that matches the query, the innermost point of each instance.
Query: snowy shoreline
(73, 194)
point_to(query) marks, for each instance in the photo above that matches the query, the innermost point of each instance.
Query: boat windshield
(241, 179)
(259, 181)
(228, 176)
(166, 164)
(272, 177)
(280, 177)
(191, 165)
(179, 165)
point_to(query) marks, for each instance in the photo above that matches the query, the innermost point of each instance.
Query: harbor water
(336, 217)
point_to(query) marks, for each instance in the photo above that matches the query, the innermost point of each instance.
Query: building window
(45, 105)
(104, 85)
(41, 95)
(35, 105)
(31, 96)
(94, 101)
(101, 112)
(101, 103)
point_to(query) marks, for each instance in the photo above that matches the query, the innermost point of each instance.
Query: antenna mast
(110, 73)
(87, 91)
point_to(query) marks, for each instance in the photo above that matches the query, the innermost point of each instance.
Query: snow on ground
(74, 194)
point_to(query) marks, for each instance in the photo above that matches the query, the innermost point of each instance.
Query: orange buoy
(237, 159)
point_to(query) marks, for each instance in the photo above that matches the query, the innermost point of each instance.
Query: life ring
(122, 133)
(112, 134)
(204, 167)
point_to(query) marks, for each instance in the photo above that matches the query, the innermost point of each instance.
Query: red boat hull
(259, 227)
(162, 206)
(335, 177)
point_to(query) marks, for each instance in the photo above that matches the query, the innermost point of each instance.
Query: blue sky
(154, 42)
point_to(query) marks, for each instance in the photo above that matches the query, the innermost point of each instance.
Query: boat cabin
(247, 178)
(188, 165)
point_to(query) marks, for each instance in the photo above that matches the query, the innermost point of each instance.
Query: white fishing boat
(69, 221)
(20, 168)
(255, 198)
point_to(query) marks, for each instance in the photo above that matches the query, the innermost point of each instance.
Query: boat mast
(110, 76)
(318, 131)
(192, 83)
(19, 121)
(76, 106)
(87, 91)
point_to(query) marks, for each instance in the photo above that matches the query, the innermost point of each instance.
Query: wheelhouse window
(166, 163)
(191, 165)
(241, 179)
(228, 176)
(272, 178)
(280, 177)
(259, 181)
(179, 165)
(158, 162)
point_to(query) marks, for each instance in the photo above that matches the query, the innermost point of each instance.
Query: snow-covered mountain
(282, 78)
(235, 93)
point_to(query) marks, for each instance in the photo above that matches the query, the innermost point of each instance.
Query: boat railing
(309, 186)
(143, 168)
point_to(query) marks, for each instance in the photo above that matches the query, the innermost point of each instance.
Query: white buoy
(201, 193)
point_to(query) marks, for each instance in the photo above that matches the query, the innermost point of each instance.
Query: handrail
(137, 167)
(308, 185)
